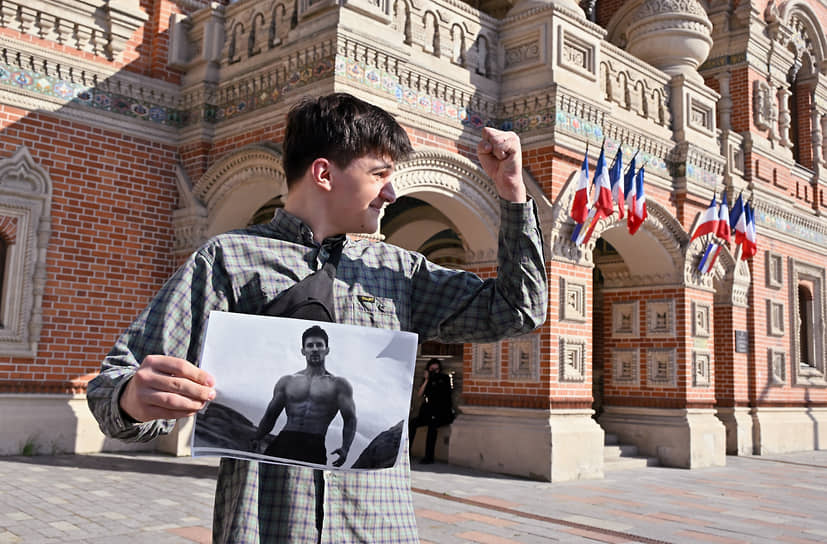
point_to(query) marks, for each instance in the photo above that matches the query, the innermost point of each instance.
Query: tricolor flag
(750, 246)
(603, 187)
(637, 208)
(629, 182)
(580, 206)
(722, 231)
(709, 220)
(738, 221)
(616, 180)
(583, 231)
(713, 249)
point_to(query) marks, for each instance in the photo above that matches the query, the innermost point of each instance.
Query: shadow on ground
(134, 462)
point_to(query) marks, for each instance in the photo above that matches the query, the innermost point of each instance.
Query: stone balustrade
(101, 29)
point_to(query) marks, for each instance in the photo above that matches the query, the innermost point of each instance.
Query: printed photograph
(305, 393)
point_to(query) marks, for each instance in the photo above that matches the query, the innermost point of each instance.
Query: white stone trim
(26, 195)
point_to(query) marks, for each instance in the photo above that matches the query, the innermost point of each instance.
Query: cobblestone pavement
(141, 498)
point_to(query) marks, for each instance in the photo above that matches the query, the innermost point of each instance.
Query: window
(807, 332)
(25, 203)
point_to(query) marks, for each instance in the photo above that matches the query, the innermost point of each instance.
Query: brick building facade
(131, 131)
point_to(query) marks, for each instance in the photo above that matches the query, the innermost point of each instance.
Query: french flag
(709, 220)
(722, 231)
(583, 231)
(603, 200)
(580, 207)
(738, 221)
(637, 208)
(616, 179)
(713, 249)
(629, 182)
(750, 246)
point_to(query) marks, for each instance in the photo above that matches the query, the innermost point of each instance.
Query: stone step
(625, 463)
(620, 450)
(617, 456)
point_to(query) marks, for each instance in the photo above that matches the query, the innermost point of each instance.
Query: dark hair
(339, 127)
(435, 360)
(316, 332)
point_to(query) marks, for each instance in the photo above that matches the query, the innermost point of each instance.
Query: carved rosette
(672, 35)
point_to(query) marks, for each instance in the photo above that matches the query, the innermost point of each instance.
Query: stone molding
(100, 27)
(190, 219)
(815, 372)
(26, 196)
(233, 170)
(460, 179)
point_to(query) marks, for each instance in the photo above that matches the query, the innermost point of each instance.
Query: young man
(311, 398)
(339, 154)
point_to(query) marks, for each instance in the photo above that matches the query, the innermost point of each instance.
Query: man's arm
(139, 393)
(274, 409)
(457, 306)
(348, 409)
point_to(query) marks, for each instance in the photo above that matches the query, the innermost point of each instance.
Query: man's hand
(340, 460)
(166, 388)
(501, 157)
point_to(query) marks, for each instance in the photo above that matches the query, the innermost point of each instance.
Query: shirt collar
(290, 227)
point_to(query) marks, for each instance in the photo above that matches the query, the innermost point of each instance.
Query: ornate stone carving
(765, 108)
(572, 300)
(661, 363)
(485, 362)
(572, 359)
(701, 369)
(457, 176)
(100, 28)
(626, 366)
(524, 358)
(25, 199)
(657, 23)
(257, 161)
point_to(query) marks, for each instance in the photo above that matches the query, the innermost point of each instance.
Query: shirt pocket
(373, 311)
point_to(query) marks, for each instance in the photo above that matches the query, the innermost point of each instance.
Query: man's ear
(320, 171)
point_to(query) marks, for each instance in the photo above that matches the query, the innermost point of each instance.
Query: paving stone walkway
(142, 498)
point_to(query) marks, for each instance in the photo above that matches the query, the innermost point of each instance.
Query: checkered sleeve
(456, 306)
(173, 324)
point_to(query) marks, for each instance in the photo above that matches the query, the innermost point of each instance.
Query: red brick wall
(111, 239)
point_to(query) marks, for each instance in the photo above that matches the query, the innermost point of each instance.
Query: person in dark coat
(436, 409)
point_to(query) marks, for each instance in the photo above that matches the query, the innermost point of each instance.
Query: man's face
(315, 350)
(433, 369)
(361, 191)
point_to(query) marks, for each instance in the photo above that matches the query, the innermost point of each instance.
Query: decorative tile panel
(572, 359)
(777, 366)
(700, 319)
(486, 361)
(775, 318)
(572, 300)
(774, 264)
(660, 318)
(524, 358)
(661, 365)
(626, 366)
(625, 320)
(701, 368)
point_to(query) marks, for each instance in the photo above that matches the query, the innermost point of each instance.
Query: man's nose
(387, 193)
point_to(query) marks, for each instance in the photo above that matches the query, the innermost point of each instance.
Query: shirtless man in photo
(311, 398)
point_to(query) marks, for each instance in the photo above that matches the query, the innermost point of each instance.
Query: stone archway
(461, 190)
(227, 195)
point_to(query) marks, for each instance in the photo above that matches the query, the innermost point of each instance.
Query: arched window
(805, 330)
(800, 105)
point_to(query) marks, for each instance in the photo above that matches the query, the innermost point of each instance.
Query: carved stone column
(672, 35)
(824, 137)
(817, 140)
(725, 102)
(784, 118)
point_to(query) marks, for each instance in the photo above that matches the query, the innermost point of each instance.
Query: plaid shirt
(377, 285)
